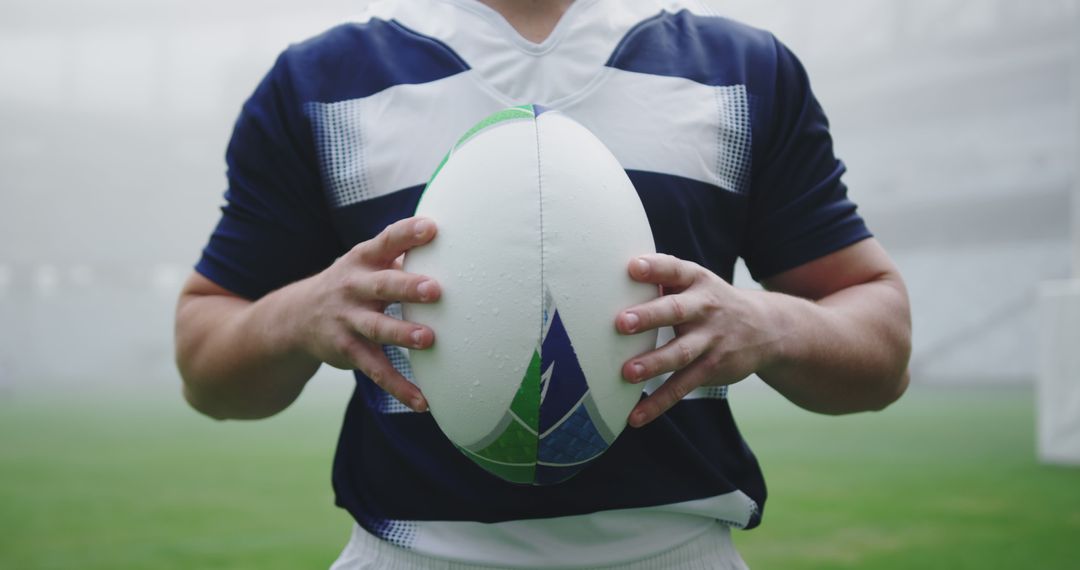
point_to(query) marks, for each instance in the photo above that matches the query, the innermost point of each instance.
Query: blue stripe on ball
(566, 386)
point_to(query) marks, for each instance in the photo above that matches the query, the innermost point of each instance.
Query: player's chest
(686, 146)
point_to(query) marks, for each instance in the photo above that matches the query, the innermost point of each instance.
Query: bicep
(199, 286)
(202, 304)
(202, 311)
(862, 332)
(861, 263)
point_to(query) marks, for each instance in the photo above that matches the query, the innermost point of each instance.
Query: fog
(956, 119)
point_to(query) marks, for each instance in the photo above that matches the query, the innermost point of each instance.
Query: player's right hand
(343, 322)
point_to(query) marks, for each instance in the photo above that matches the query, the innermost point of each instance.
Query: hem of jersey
(692, 537)
(212, 270)
(707, 525)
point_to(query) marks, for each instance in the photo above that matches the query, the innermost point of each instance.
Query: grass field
(945, 479)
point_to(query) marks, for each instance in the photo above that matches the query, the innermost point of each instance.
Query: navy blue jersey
(715, 123)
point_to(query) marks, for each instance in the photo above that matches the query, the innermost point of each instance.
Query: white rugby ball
(537, 222)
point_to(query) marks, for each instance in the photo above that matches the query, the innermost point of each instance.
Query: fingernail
(417, 338)
(637, 419)
(424, 290)
(421, 227)
(419, 405)
(642, 266)
(631, 320)
(637, 370)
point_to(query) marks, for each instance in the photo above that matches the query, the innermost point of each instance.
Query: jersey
(728, 149)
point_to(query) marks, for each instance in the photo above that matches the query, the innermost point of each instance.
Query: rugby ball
(537, 222)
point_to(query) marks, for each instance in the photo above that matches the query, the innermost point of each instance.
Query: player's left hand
(722, 334)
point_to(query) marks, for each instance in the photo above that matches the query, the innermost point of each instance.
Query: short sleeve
(799, 208)
(275, 226)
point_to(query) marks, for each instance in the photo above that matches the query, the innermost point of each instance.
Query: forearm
(846, 352)
(241, 359)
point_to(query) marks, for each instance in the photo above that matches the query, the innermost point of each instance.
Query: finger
(664, 398)
(372, 361)
(391, 285)
(673, 391)
(676, 355)
(669, 310)
(661, 269)
(395, 240)
(382, 329)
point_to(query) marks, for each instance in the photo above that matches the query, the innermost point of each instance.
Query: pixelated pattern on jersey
(702, 393)
(339, 136)
(399, 357)
(710, 393)
(400, 533)
(733, 138)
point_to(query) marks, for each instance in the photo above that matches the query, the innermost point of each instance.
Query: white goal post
(1058, 389)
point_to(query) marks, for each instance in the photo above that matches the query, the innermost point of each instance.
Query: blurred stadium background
(957, 119)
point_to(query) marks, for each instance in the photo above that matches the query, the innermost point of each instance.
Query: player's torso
(386, 97)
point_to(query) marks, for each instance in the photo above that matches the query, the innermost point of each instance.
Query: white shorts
(711, 550)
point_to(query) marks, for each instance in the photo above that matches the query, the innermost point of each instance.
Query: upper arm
(276, 226)
(861, 280)
(202, 303)
(799, 210)
(863, 332)
(863, 262)
(199, 286)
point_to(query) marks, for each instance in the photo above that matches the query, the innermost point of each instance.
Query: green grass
(944, 479)
(146, 485)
